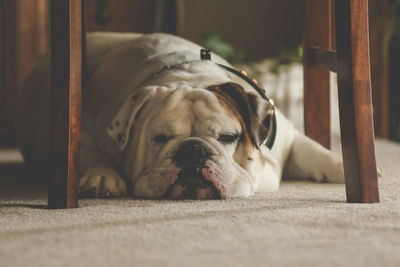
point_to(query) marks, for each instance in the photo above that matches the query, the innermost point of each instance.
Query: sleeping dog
(162, 120)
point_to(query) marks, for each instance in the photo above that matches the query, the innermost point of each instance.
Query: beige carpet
(303, 224)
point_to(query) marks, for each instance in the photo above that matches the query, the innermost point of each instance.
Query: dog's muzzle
(198, 175)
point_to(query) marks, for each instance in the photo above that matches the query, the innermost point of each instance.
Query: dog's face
(192, 143)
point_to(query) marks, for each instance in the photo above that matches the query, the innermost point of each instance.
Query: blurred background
(263, 36)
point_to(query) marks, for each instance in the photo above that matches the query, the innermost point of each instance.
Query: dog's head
(192, 144)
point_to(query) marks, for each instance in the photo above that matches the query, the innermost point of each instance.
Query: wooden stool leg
(355, 104)
(66, 86)
(317, 34)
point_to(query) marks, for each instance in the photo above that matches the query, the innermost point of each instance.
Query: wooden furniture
(352, 66)
(66, 91)
(351, 61)
(67, 53)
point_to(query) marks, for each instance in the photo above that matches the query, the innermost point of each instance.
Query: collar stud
(205, 54)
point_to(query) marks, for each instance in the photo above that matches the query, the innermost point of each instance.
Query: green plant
(287, 57)
(229, 52)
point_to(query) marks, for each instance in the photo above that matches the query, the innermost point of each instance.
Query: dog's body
(192, 131)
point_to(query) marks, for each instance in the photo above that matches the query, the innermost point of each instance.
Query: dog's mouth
(193, 183)
(199, 173)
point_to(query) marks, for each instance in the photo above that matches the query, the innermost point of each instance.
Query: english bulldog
(159, 121)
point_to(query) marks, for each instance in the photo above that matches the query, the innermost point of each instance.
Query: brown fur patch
(244, 107)
(234, 113)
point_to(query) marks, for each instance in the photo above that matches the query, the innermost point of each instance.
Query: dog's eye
(161, 139)
(227, 138)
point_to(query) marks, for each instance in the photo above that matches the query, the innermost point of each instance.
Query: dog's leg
(268, 174)
(98, 177)
(310, 160)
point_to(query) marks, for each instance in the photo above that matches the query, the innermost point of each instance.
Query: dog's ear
(256, 113)
(130, 109)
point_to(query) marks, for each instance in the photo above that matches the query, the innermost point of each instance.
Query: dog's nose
(191, 153)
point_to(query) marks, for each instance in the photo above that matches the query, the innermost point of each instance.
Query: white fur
(175, 101)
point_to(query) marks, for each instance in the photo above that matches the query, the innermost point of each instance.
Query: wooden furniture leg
(352, 64)
(355, 104)
(66, 86)
(317, 34)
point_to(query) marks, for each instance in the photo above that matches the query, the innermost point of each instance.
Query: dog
(160, 121)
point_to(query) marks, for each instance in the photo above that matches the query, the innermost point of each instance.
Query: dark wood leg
(66, 84)
(173, 16)
(355, 103)
(317, 34)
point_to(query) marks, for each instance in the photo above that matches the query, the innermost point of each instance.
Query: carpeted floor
(302, 224)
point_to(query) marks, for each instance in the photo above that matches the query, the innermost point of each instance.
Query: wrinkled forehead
(194, 112)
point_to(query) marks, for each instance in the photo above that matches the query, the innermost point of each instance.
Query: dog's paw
(332, 171)
(101, 182)
(336, 174)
